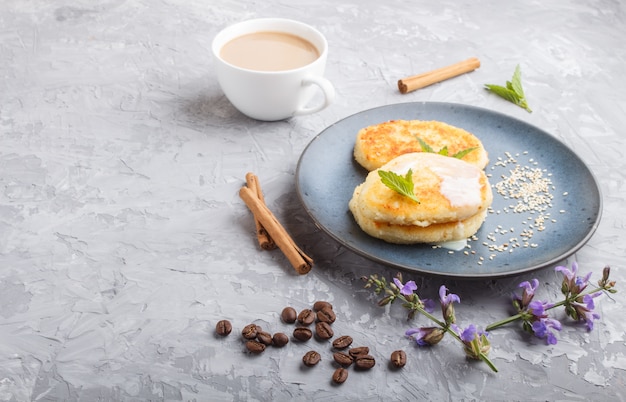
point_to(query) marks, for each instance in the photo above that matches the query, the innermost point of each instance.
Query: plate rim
(414, 269)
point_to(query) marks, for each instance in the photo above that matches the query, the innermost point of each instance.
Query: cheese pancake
(378, 144)
(448, 190)
(411, 234)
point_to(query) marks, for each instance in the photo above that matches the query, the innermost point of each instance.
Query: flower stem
(452, 333)
(519, 316)
(425, 313)
(503, 322)
(492, 366)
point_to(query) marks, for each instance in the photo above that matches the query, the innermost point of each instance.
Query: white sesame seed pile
(530, 192)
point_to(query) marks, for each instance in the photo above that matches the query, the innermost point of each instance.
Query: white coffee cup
(274, 95)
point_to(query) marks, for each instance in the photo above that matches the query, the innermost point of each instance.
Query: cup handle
(327, 89)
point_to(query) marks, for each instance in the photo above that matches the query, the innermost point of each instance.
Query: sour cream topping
(460, 181)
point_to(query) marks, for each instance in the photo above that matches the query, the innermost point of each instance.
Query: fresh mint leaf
(461, 154)
(503, 92)
(516, 82)
(513, 92)
(425, 147)
(400, 184)
(443, 151)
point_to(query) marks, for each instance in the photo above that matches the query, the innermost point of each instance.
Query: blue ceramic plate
(327, 175)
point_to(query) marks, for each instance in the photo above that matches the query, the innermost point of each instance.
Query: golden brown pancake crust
(378, 144)
(411, 234)
(448, 189)
(454, 198)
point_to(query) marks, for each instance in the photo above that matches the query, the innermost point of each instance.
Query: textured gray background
(123, 239)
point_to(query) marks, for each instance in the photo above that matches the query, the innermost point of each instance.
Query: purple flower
(579, 307)
(581, 283)
(584, 311)
(449, 298)
(468, 334)
(569, 277)
(543, 328)
(588, 300)
(571, 282)
(446, 300)
(429, 305)
(567, 273)
(589, 317)
(537, 322)
(476, 344)
(538, 308)
(426, 336)
(528, 293)
(406, 289)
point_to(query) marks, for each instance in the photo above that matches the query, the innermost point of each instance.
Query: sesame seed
(528, 189)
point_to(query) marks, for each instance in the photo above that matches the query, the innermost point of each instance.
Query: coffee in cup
(270, 68)
(251, 51)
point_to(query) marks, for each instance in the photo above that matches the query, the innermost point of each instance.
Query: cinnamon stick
(414, 82)
(265, 240)
(301, 262)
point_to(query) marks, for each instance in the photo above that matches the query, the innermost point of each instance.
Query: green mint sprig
(513, 92)
(443, 151)
(401, 184)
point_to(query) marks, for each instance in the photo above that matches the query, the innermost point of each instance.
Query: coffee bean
(289, 315)
(361, 350)
(280, 339)
(264, 337)
(340, 375)
(343, 359)
(319, 305)
(250, 331)
(255, 347)
(364, 362)
(398, 358)
(342, 342)
(326, 315)
(324, 331)
(302, 334)
(223, 327)
(306, 317)
(311, 358)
